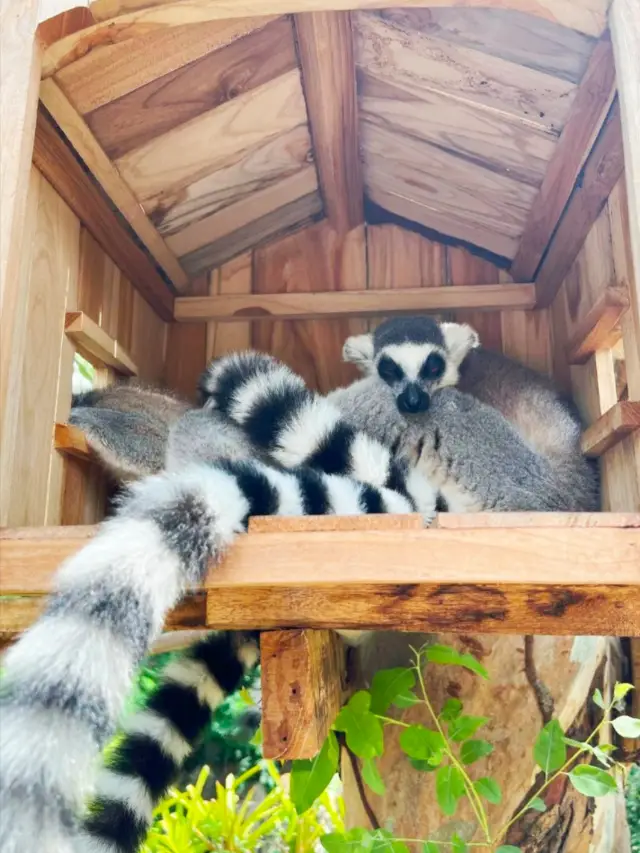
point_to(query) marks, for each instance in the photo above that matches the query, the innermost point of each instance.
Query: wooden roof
(211, 135)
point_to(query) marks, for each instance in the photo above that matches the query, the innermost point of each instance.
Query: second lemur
(502, 439)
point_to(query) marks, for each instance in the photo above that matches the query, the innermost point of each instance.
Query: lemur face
(414, 356)
(413, 371)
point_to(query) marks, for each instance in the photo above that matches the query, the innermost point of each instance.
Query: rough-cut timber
(600, 327)
(551, 574)
(301, 690)
(355, 303)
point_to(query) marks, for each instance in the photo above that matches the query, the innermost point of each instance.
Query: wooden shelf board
(550, 574)
(91, 339)
(621, 420)
(600, 328)
(72, 442)
(356, 303)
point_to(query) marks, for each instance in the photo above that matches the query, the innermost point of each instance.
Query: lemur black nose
(413, 400)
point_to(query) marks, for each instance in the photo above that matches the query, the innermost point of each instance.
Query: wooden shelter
(182, 178)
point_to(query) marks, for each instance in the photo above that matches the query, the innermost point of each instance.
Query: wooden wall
(62, 269)
(320, 259)
(603, 271)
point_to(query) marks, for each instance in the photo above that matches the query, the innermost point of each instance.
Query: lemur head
(414, 356)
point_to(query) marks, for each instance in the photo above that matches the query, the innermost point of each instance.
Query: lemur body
(65, 681)
(501, 440)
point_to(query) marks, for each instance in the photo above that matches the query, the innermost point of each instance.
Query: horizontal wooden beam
(600, 327)
(586, 18)
(59, 165)
(596, 180)
(621, 420)
(588, 111)
(550, 574)
(94, 342)
(355, 303)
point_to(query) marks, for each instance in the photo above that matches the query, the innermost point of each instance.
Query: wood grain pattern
(239, 124)
(234, 277)
(619, 422)
(66, 23)
(186, 351)
(148, 340)
(86, 146)
(488, 139)
(526, 337)
(599, 176)
(513, 35)
(600, 327)
(588, 112)
(315, 523)
(282, 220)
(325, 47)
(257, 168)
(243, 213)
(107, 72)
(58, 164)
(363, 303)
(574, 579)
(407, 55)
(398, 259)
(301, 691)
(477, 199)
(199, 85)
(586, 16)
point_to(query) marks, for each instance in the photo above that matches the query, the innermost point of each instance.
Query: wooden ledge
(72, 442)
(229, 308)
(91, 339)
(621, 420)
(549, 574)
(600, 328)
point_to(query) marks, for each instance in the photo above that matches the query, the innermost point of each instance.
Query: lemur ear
(358, 349)
(459, 339)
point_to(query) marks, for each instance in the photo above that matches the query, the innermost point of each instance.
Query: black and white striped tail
(66, 680)
(281, 416)
(157, 740)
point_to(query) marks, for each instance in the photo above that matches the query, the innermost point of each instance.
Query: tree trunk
(531, 679)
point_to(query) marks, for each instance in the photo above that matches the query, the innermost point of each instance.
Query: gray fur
(502, 440)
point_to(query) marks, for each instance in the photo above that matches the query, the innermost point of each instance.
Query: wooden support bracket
(600, 327)
(301, 690)
(94, 341)
(72, 442)
(621, 420)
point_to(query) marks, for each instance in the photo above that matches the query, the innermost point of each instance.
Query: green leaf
(363, 731)
(430, 847)
(423, 766)
(458, 845)
(575, 743)
(537, 804)
(447, 656)
(597, 698)
(626, 726)
(473, 750)
(389, 685)
(423, 744)
(489, 789)
(354, 841)
(449, 789)
(602, 756)
(550, 751)
(372, 777)
(406, 700)
(620, 691)
(450, 710)
(384, 842)
(464, 727)
(508, 848)
(591, 781)
(310, 777)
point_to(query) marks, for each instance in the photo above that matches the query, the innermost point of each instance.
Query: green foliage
(361, 727)
(449, 789)
(451, 657)
(473, 750)
(633, 807)
(423, 744)
(489, 789)
(591, 781)
(626, 726)
(312, 776)
(231, 821)
(550, 750)
(390, 686)
(463, 727)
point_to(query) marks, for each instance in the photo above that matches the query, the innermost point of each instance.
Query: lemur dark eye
(433, 367)
(389, 371)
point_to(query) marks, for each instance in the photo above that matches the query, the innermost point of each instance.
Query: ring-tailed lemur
(66, 679)
(502, 439)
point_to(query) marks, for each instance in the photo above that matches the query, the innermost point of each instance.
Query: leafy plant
(235, 822)
(447, 747)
